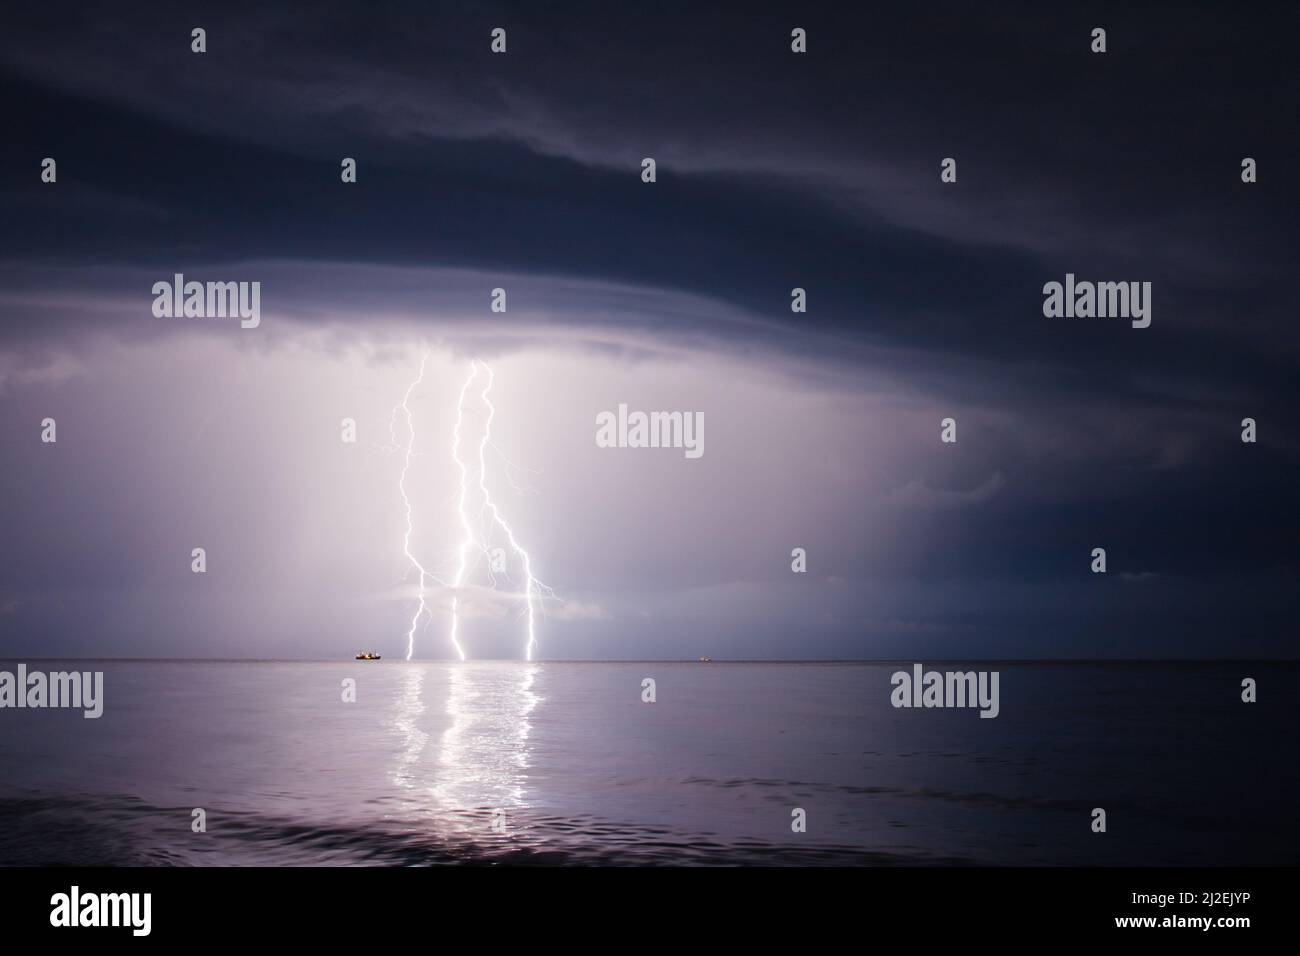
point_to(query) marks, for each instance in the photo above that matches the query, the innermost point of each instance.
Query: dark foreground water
(572, 767)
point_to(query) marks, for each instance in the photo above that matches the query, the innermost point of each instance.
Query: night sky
(775, 170)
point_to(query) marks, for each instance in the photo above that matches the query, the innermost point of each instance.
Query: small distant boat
(368, 656)
(705, 660)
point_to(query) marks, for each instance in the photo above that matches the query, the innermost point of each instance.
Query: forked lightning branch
(477, 512)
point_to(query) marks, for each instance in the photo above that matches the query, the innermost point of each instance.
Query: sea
(395, 763)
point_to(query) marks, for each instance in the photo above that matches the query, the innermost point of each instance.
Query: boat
(706, 660)
(368, 656)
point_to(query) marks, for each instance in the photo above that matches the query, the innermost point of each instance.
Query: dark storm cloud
(775, 171)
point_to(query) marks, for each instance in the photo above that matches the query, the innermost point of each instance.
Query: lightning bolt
(469, 539)
(488, 503)
(422, 608)
(534, 590)
(489, 514)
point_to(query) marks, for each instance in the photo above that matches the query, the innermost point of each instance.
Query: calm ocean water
(578, 770)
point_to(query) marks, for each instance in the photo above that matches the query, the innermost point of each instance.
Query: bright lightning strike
(469, 539)
(401, 486)
(488, 503)
(472, 540)
(533, 589)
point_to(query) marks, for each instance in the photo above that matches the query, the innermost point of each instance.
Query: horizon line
(678, 660)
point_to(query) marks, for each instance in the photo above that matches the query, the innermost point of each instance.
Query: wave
(95, 830)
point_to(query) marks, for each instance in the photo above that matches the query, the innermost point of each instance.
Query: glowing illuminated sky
(521, 172)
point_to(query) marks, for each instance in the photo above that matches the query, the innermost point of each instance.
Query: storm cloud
(775, 171)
